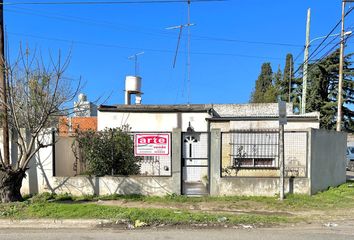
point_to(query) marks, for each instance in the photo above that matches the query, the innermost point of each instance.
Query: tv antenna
(180, 27)
(135, 59)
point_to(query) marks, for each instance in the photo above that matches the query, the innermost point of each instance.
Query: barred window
(254, 162)
(254, 149)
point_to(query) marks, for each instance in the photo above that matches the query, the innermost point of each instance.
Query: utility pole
(306, 59)
(3, 97)
(340, 77)
(189, 52)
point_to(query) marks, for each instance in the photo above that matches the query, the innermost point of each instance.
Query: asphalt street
(308, 232)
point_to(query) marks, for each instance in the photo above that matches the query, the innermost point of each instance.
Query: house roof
(261, 118)
(155, 108)
(217, 112)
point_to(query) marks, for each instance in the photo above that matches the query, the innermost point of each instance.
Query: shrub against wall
(110, 152)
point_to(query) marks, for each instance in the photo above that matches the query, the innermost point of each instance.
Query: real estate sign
(152, 144)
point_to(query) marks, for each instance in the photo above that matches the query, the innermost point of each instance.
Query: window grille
(254, 149)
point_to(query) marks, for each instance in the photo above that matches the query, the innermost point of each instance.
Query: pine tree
(323, 91)
(264, 91)
(296, 93)
(278, 78)
(288, 78)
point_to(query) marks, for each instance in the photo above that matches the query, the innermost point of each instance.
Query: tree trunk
(10, 185)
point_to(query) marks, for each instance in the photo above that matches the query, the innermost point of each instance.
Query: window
(254, 162)
(254, 149)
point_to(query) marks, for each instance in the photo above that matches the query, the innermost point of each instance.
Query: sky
(229, 42)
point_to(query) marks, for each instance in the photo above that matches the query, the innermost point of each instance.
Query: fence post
(281, 160)
(53, 152)
(215, 161)
(176, 161)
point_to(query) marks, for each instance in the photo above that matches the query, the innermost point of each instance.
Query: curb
(52, 223)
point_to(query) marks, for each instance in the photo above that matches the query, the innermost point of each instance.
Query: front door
(195, 171)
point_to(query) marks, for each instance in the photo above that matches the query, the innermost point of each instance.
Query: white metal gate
(195, 170)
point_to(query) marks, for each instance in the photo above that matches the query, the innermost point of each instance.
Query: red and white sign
(152, 144)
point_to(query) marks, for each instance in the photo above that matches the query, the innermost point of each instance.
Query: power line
(332, 30)
(299, 54)
(139, 49)
(324, 47)
(329, 52)
(247, 41)
(113, 26)
(107, 2)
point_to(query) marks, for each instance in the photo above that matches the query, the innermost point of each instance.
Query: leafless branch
(37, 92)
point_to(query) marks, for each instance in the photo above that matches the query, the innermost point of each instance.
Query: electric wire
(324, 47)
(325, 55)
(299, 54)
(140, 49)
(106, 2)
(160, 33)
(332, 30)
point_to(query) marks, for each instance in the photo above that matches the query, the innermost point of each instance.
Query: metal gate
(195, 163)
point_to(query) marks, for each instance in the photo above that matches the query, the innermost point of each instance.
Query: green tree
(323, 90)
(264, 85)
(110, 152)
(287, 78)
(296, 94)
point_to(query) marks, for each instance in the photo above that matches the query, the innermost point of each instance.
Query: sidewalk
(52, 223)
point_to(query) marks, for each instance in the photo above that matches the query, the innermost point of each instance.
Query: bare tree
(38, 93)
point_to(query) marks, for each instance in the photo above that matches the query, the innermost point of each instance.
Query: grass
(91, 211)
(338, 197)
(65, 206)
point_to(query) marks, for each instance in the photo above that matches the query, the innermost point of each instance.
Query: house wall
(294, 148)
(153, 121)
(69, 125)
(328, 159)
(295, 152)
(266, 185)
(226, 126)
(273, 124)
(250, 109)
(260, 186)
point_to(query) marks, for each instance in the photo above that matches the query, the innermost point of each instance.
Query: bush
(110, 152)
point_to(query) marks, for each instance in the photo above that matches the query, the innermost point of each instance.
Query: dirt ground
(241, 207)
(236, 208)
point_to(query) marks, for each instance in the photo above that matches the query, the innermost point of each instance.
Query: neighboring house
(69, 125)
(83, 119)
(84, 108)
